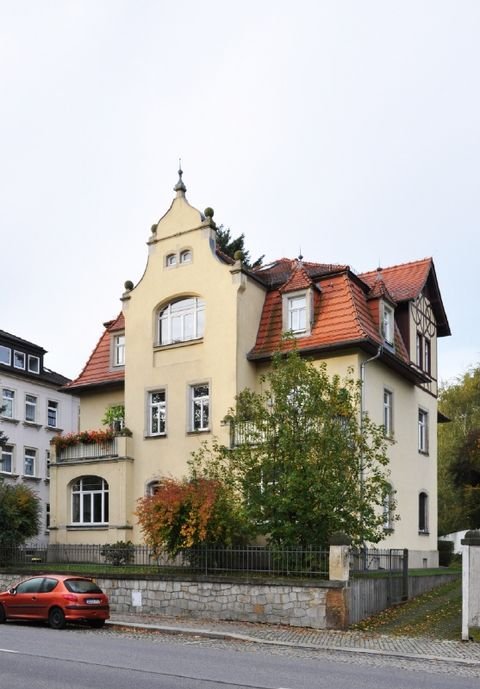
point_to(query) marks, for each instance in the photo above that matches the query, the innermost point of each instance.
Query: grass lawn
(436, 614)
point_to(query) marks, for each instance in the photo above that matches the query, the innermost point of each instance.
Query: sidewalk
(466, 653)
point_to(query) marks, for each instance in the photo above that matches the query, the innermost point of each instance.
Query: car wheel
(56, 618)
(3, 617)
(96, 624)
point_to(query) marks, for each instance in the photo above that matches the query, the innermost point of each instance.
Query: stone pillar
(339, 563)
(470, 583)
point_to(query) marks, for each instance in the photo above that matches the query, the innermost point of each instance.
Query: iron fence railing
(377, 560)
(268, 561)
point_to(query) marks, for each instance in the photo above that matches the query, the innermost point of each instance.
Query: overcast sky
(349, 131)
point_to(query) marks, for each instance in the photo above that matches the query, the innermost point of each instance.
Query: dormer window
(19, 360)
(119, 350)
(5, 355)
(296, 312)
(33, 364)
(387, 324)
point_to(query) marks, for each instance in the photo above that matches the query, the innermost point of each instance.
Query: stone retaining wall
(320, 605)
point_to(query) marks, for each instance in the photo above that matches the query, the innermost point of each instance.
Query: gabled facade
(199, 327)
(34, 411)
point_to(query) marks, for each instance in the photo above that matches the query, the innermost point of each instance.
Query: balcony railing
(117, 447)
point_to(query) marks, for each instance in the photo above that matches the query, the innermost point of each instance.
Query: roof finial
(180, 187)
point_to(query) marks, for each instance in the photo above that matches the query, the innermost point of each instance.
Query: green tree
(304, 464)
(19, 514)
(460, 402)
(230, 246)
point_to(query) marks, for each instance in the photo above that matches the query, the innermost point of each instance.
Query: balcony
(111, 448)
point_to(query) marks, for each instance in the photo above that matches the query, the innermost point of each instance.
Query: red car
(57, 599)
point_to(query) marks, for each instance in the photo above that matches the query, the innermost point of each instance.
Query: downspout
(362, 413)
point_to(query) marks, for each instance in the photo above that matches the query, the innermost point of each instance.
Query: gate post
(470, 582)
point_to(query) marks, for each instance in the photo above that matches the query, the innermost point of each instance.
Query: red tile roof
(98, 369)
(404, 281)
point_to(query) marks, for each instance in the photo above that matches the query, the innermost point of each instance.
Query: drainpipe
(362, 411)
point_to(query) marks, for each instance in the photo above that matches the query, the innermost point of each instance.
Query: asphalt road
(35, 657)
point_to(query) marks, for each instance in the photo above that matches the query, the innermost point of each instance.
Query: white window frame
(173, 316)
(427, 355)
(388, 501)
(171, 260)
(52, 406)
(7, 361)
(388, 326)
(84, 495)
(157, 413)
(7, 451)
(423, 512)
(119, 350)
(200, 411)
(32, 358)
(22, 356)
(388, 412)
(8, 401)
(297, 318)
(423, 430)
(30, 455)
(186, 256)
(31, 403)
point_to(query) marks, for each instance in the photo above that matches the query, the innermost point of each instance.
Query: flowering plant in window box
(100, 437)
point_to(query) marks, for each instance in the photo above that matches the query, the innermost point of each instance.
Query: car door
(46, 597)
(23, 601)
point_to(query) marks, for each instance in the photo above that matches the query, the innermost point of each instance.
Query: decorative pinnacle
(180, 186)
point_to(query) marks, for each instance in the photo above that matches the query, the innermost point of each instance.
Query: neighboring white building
(33, 412)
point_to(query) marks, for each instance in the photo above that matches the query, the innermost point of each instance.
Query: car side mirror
(12, 590)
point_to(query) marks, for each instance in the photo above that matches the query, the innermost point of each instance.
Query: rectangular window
(30, 456)
(8, 403)
(423, 513)
(47, 463)
(427, 356)
(422, 431)
(33, 364)
(7, 459)
(419, 359)
(200, 407)
(297, 313)
(157, 412)
(52, 414)
(387, 324)
(19, 360)
(5, 355)
(388, 413)
(47, 516)
(119, 350)
(30, 408)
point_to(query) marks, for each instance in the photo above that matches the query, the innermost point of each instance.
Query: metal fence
(128, 558)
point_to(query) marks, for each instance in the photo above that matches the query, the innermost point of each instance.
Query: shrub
(119, 553)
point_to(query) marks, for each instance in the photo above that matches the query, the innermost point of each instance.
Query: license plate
(93, 601)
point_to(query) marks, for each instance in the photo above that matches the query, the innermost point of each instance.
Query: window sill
(200, 431)
(35, 479)
(53, 429)
(32, 424)
(9, 419)
(173, 345)
(424, 533)
(154, 436)
(87, 527)
(425, 453)
(9, 474)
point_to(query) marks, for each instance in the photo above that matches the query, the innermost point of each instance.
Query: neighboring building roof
(98, 370)
(45, 375)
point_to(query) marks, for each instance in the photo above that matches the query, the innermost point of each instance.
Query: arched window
(90, 500)
(185, 256)
(171, 260)
(153, 487)
(181, 320)
(423, 512)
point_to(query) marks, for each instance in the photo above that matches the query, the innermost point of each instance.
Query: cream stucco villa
(199, 327)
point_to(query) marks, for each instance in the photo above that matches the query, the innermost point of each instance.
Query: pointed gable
(98, 370)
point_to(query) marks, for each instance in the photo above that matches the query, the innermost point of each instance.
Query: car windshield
(81, 586)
